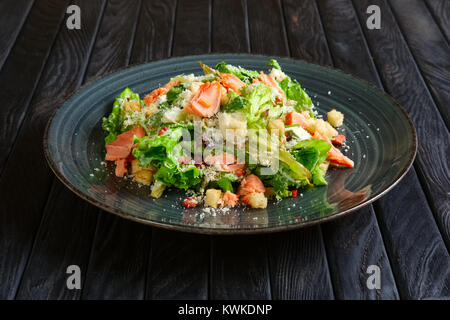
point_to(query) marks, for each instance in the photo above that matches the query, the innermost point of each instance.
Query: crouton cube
(212, 198)
(144, 176)
(257, 200)
(277, 126)
(131, 106)
(335, 118)
(135, 166)
(323, 127)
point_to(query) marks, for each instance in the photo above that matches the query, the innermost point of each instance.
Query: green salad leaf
(174, 92)
(245, 75)
(235, 102)
(113, 123)
(294, 91)
(274, 64)
(163, 152)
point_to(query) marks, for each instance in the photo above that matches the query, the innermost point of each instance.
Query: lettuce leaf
(164, 152)
(174, 92)
(274, 64)
(113, 123)
(235, 102)
(259, 98)
(245, 75)
(294, 91)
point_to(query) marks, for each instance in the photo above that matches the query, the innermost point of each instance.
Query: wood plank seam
(371, 206)
(81, 79)
(22, 23)
(27, 106)
(416, 64)
(418, 171)
(433, 14)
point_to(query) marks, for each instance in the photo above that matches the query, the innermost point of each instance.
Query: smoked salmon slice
(268, 80)
(206, 102)
(230, 199)
(250, 184)
(335, 156)
(296, 118)
(121, 147)
(152, 96)
(121, 167)
(230, 81)
(227, 163)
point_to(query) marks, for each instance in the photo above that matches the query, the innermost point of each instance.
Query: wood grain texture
(420, 260)
(179, 262)
(305, 32)
(61, 241)
(179, 266)
(229, 27)
(118, 264)
(29, 53)
(192, 28)
(14, 14)
(20, 212)
(298, 266)
(440, 9)
(400, 74)
(120, 248)
(429, 48)
(154, 32)
(44, 279)
(297, 260)
(239, 265)
(267, 34)
(353, 242)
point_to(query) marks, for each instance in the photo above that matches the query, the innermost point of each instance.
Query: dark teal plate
(380, 134)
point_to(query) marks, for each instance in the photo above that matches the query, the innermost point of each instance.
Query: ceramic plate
(380, 135)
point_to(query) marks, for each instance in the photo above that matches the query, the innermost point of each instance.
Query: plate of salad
(230, 143)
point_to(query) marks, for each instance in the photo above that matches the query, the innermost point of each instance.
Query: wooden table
(44, 227)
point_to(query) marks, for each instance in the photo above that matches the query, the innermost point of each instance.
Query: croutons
(257, 200)
(144, 176)
(323, 127)
(335, 118)
(174, 115)
(212, 198)
(277, 126)
(131, 106)
(141, 175)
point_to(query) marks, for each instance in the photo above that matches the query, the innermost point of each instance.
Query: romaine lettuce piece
(245, 75)
(113, 123)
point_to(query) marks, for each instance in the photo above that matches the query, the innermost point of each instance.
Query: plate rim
(227, 231)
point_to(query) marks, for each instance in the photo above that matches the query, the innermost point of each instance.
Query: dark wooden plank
(233, 37)
(192, 28)
(154, 32)
(429, 47)
(353, 242)
(20, 211)
(405, 84)
(299, 266)
(14, 14)
(120, 247)
(179, 266)
(421, 262)
(44, 277)
(36, 37)
(305, 32)
(240, 268)
(440, 9)
(179, 262)
(61, 242)
(239, 265)
(298, 263)
(267, 34)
